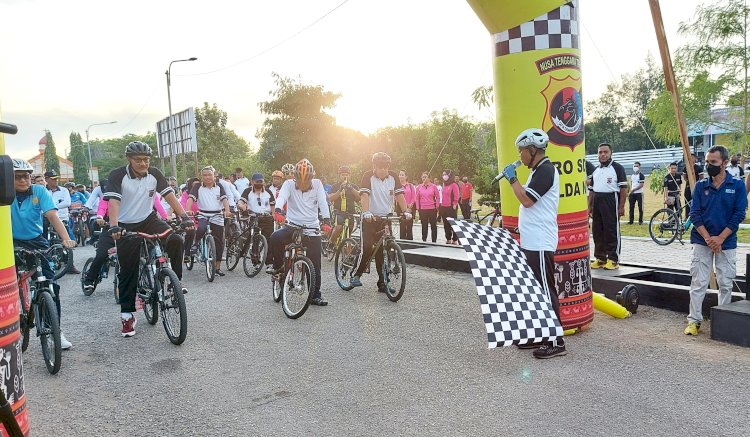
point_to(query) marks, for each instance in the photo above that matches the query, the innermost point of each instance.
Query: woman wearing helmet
(288, 170)
(32, 204)
(305, 199)
(537, 220)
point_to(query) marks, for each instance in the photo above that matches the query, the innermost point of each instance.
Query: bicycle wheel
(233, 247)
(147, 293)
(84, 273)
(663, 226)
(61, 258)
(253, 262)
(296, 290)
(116, 283)
(48, 328)
(80, 233)
(173, 311)
(276, 287)
(210, 257)
(345, 261)
(24, 315)
(394, 271)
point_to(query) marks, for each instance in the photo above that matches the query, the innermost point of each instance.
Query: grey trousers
(725, 264)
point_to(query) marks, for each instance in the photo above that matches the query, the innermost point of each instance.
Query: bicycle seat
(475, 210)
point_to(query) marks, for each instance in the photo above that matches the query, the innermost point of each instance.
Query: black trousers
(688, 198)
(465, 208)
(406, 227)
(542, 263)
(128, 251)
(605, 227)
(369, 236)
(102, 253)
(633, 199)
(218, 233)
(448, 212)
(428, 218)
(266, 229)
(282, 237)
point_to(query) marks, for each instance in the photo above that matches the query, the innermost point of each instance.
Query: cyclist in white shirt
(211, 199)
(241, 183)
(259, 200)
(306, 200)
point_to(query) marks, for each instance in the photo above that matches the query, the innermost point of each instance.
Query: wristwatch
(512, 180)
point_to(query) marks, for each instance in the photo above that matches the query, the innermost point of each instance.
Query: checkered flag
(515, 308)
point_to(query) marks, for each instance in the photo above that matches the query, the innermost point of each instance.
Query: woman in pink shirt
(406, 231)
(449, 205)
(426, 199)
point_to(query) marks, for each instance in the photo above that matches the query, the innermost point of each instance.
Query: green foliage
(656, 184)
(217, 145)
(109, 154)
(79, 159)
(51, 161)
(618, 116)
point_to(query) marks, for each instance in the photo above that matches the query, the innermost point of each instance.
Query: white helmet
(22, 165)
(532, 137)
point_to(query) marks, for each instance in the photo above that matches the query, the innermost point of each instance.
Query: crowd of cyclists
(138, 198)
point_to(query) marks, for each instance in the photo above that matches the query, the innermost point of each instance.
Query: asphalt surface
(367, 366)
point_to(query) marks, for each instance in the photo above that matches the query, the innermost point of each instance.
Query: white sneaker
(64, 343)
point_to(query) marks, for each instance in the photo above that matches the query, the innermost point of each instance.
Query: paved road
(366, 366)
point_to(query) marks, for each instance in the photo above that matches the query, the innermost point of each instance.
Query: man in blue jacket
(719, 206)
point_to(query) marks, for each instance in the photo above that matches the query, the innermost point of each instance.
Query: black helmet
(137, 148)
(69, 185)
(381, 158)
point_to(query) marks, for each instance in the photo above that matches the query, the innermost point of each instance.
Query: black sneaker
(319, 301)
(74, 271)
(382, 288)
(551, 350)
(530, 345)
(219, 272)
(88, 287)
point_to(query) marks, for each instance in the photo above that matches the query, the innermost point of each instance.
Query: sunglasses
(141, 160)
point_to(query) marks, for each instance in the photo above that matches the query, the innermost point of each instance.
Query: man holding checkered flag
(537, 222)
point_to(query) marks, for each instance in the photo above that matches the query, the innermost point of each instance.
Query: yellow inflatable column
(537, 72)
(11, 361)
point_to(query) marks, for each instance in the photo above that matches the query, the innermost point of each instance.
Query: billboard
(182, 134)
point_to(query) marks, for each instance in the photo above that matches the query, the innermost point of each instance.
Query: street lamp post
(172, 145)
(88, 146)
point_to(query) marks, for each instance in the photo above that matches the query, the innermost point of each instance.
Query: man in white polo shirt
(212, 200)
(607, 193)
(637, 180)
(537, 221)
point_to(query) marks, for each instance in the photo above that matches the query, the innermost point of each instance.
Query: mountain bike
(394, 263)
(111, 262)
(251, 245)
(206, 249)
(37, 307)
(666, 225)
(329, 250)
(159, 287)
(79, 219)
(61, 257)
(493, 219)
(294, 284)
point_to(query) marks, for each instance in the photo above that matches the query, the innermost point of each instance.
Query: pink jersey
(451, 195)
(426, 197)
(409, 194)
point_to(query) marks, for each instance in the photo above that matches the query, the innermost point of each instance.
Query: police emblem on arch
(563, 118)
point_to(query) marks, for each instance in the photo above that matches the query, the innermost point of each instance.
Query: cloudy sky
(67, 64)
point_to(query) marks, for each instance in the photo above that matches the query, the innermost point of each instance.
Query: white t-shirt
(538, 223)
(241, 184)
(263, 203)
(61, 199)
(635, 180)
(231, 191)
(302, 208)
(210, 201)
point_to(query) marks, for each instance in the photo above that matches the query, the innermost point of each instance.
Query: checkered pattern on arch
(555, 29)
(515, 308)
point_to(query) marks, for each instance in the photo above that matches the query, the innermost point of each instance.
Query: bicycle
(37, 307)
(61, 257)
(159, 288)
(103, 273)
(329, 250)
(298, 274)
(79, 219)
(666, 225)
(250, 239)
(394, 263)
(206, 250)
(490, 219)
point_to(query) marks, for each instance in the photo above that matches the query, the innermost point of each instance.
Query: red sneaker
(128, 326)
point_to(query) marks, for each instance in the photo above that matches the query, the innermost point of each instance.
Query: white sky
(67, 64)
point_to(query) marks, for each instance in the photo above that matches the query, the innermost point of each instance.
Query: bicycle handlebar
(147, 236)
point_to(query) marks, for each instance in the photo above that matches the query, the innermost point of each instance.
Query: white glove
(407, 216)
(367, 215)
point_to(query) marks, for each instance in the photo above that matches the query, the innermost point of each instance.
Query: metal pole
(172, 145)
(88, 146)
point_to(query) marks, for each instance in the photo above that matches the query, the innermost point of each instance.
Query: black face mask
(258, 186)
(713, 170)
(734, 162)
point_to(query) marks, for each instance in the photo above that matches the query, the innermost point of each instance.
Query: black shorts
(341, 216)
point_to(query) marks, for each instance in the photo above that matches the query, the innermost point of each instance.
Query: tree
(109, 154)
(298, 127)
(217, 145)
(719, 45)
(51, 161)
(79, 159)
